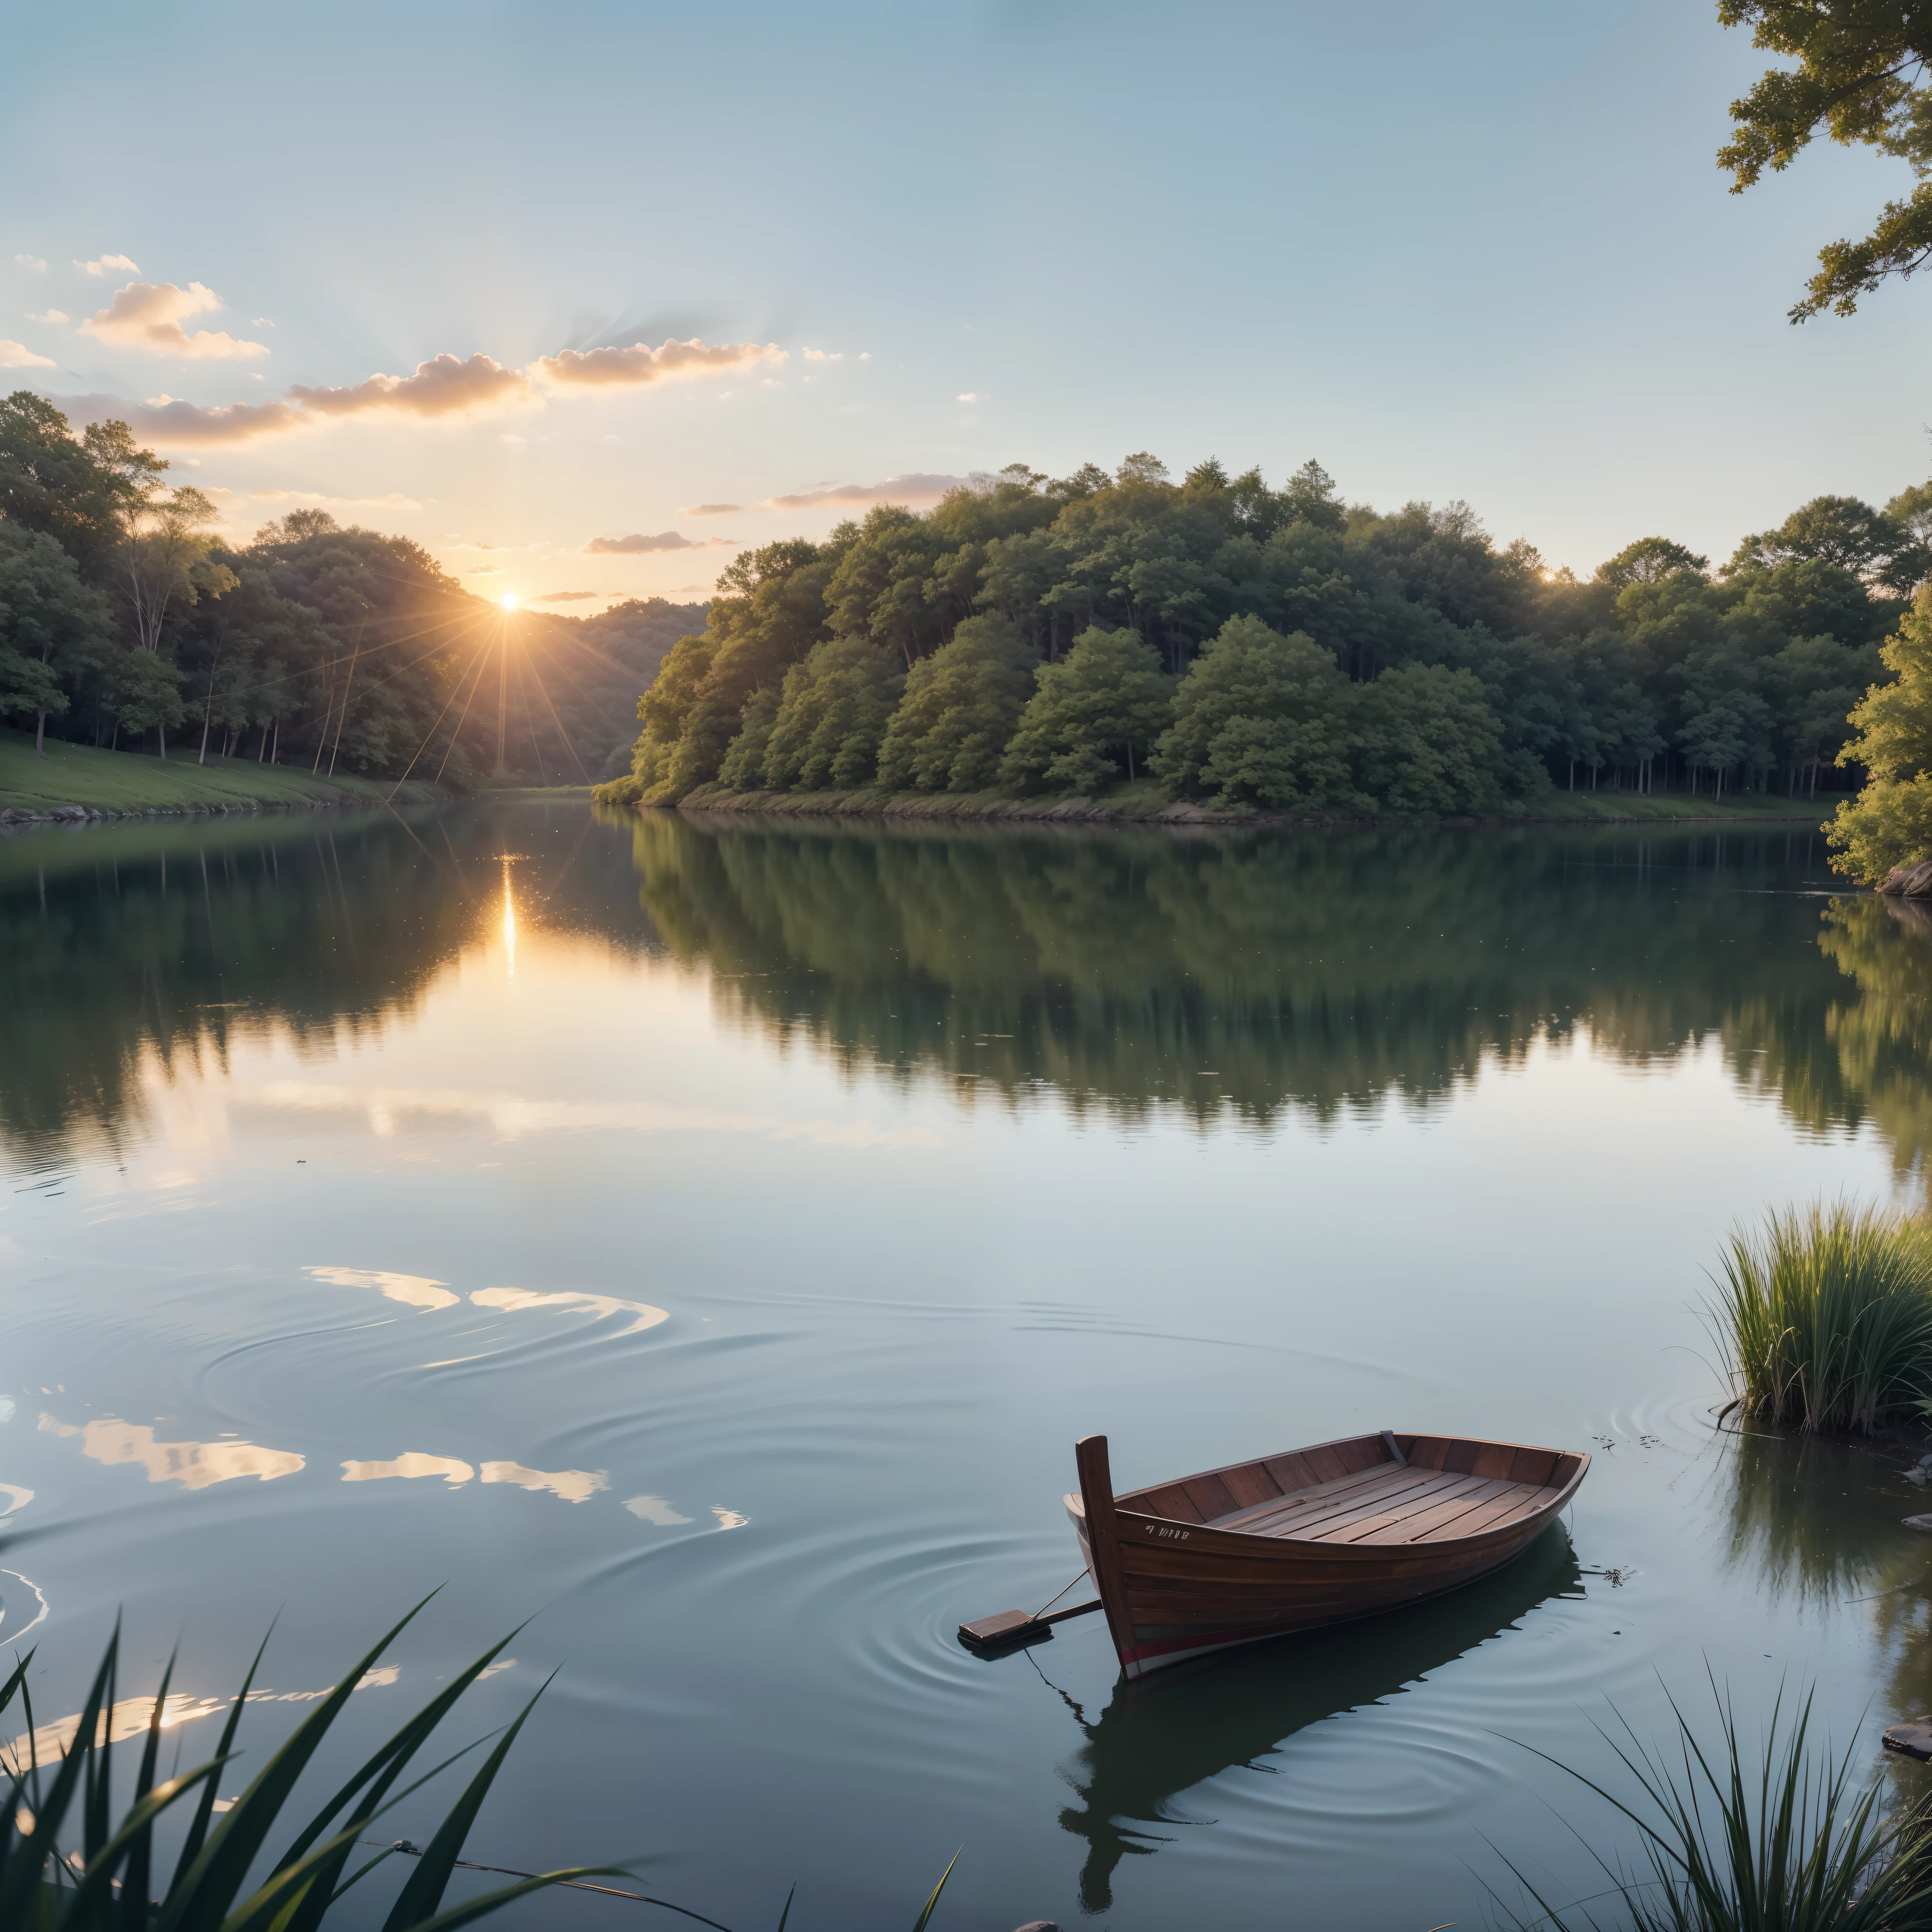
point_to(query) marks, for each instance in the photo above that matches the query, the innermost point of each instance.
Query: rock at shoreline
(1910, 882)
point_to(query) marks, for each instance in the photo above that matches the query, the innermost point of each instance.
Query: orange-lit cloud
(914, 487)
(636, 545)
(18, 356)
(712, 510)
(315, 499)
(640, 363)
(49, 316)
(148, 316)
(394, 500)
(444, 385)
(193, 425)
(99, 265)
(567, 596)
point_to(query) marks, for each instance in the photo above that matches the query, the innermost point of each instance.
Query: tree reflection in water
(1235, 977)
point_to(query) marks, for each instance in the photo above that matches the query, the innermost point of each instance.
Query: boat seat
(1394, 1502)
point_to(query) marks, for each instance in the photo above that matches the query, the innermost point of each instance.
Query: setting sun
(508, 600)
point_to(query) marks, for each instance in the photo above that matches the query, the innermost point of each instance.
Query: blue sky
(1480, 252)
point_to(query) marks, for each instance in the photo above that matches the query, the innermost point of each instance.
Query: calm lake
(701, 1243)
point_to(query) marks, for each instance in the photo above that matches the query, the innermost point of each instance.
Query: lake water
(706, 1241)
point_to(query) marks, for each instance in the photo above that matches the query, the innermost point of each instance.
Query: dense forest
(1279, 648)
(124, 621)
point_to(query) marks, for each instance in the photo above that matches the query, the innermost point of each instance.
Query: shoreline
(14, 818)
(83, 784)
(1148, 807)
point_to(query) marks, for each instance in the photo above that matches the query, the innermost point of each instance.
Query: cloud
(640, 363)
(165, 419)
(631, 546)
(33, 264)
(712, 510)
(394, 500)
(819, 356)
(914, 487)
(969, 396)
(49, 316)
(636, 544)
(18, 356)
(260, 321)
(444, 385)
(149, 315)
(567, 596)
(101, 264)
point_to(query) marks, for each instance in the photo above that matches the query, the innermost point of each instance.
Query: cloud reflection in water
(193, 1465)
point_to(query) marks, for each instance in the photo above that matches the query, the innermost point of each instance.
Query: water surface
(706, 1242)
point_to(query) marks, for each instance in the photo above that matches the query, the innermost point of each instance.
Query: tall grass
(1825, 1315)
(1791, 1846)
(69, 1864)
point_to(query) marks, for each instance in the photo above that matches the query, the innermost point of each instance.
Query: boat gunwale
(1251, 1543)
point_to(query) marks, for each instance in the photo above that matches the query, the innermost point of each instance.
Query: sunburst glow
(508, 600)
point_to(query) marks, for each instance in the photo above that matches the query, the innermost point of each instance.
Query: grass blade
(919, 1924)
(420, 1897)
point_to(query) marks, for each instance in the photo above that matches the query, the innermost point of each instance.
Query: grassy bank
(1146, 803)
(120, 784)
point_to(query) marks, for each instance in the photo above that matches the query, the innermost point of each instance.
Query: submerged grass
(1790, 1846)
(1826, 1316)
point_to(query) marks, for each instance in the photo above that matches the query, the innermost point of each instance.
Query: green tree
(1106, 697)
(1860, 76)
(1889, 823)
(53, 627)
(165, 559)
(1817, 681)
(77, 490)
(1867, 543)
(960, 707)
(743, 767)
(1261, 719)
(1427, 741)
(832, 714)
(145, 690)
(1649, 560)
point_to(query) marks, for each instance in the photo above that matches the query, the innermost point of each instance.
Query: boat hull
(1174, 1589)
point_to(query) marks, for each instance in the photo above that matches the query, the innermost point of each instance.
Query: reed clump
(1737, 1840)
(1825, 1315)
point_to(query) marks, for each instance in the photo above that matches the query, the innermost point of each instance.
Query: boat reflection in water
(1161, 1736)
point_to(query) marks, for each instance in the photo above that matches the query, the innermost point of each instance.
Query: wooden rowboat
(1317, 1536)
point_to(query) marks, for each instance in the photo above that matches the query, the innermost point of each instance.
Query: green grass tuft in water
(1731, 1843)
(1825, 1315)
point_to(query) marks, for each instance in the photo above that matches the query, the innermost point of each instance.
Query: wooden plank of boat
(1321, 1535)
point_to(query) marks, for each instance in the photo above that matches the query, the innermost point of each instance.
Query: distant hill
(593, 670)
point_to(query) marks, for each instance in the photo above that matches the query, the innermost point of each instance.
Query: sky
(586, 297)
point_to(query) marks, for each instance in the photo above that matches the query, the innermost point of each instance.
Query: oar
(1008, 1630)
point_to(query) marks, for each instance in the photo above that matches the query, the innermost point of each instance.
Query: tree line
(126, 621)
(1272, 647)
